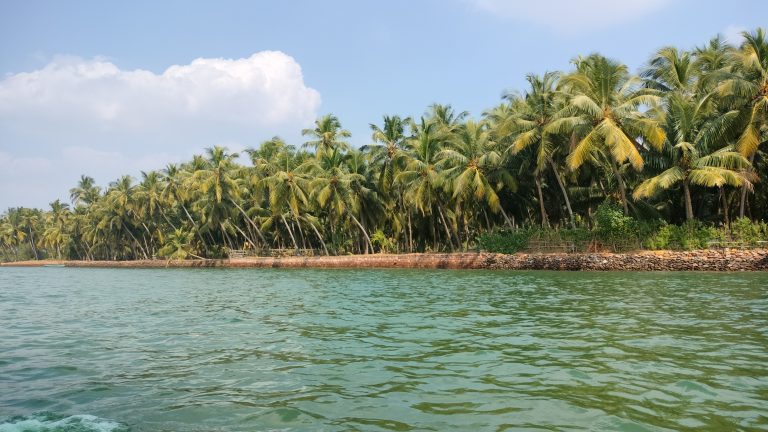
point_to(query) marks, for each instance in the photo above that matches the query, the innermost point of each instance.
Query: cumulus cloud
(90, 116)
(570, 16)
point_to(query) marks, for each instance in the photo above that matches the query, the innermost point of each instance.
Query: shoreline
(697, 260)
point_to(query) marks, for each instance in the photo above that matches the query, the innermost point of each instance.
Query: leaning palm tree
(333, 191)
(604, 112)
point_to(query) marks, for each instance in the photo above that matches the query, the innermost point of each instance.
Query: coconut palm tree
(86, 192)
(333, 191)
(604, 112)
(695, 129)
(472, 166)
(56, 233)
(328, 135)
(528, 126)
(387, 151)
(217, 188)
(420, 179)
(746, 89)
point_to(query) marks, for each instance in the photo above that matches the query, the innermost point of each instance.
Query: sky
(113, 88)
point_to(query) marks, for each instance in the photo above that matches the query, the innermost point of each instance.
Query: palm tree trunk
(564, 192)
(247, 238)
(167, 220)
(688, 206)
(301, 233)
(544, 219)
(137, 242)
(510, 223)
(368, 239)
(32, 243)
(447, 231)
(194, 225)
(726, 216)
(227, 239)
(743, 202)
(322, 242)
(410, 234)
(622, 189)
(290, 232)
(245, 215)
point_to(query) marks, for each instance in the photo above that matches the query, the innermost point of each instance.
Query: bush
(505, 241)
(688, 236)
(744, 230)
(613, 225)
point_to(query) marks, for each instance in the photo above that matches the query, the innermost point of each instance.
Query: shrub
(688, 236)
(505, 241)
(744, 230)
(613, 227)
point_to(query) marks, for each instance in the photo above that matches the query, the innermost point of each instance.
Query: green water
(341, 350)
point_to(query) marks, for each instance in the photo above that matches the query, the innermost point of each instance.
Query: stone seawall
(703, 260)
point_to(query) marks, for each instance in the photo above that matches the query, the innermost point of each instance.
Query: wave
(50, 422)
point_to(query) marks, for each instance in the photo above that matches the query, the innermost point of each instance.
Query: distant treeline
(683, 140)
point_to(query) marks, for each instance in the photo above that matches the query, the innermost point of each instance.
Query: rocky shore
(701, 260)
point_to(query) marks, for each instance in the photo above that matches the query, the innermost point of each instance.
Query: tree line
(682, 140)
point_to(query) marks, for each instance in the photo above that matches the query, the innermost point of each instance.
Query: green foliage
(384, 243)
(612, 225)
(748, 232)
(511, 241)
(685, 138)
(689, 236)
(505, 241)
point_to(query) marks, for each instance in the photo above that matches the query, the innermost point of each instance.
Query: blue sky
(108, 88)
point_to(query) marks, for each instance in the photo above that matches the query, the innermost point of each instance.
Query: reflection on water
(244, 350)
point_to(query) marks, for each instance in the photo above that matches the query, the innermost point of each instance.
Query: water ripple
(307, 350)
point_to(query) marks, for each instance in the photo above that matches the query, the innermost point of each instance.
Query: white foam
(51, 423)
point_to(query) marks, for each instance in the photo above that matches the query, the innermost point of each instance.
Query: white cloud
(89, 116)
(570, 16)
(732, 34)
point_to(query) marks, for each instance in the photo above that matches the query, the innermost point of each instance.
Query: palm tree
(604, 112)
(56, 233)
(218, 189)
(288, 192)
(746, 90)
(528, 126)
(695, 130)
(120, 211)
(328, 135)
(333, 190)
(178, 245)
(473, 169)
(30, 218)
(420, 179)
(86, 192)
(388, 151)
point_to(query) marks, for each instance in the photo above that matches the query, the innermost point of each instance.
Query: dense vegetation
(682, 141)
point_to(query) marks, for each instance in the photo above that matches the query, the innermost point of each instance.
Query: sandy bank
(705, 260)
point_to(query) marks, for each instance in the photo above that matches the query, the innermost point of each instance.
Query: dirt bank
(705, 260)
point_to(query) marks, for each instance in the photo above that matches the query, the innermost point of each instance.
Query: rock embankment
(703, 260)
